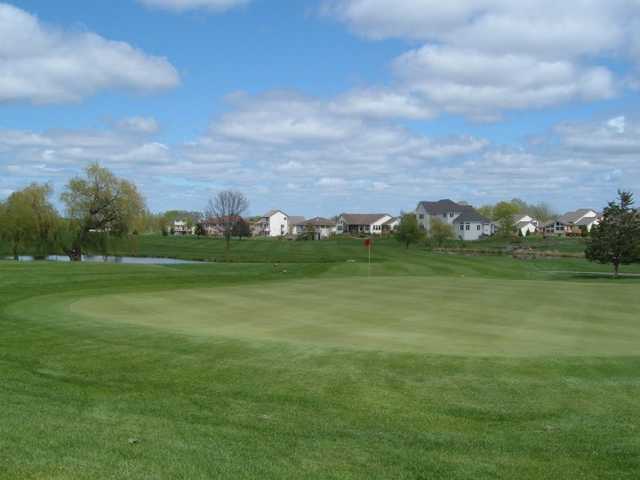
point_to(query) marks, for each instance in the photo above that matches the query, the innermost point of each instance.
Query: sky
(317, 107)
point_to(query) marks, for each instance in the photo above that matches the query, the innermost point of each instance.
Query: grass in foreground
(273, 394)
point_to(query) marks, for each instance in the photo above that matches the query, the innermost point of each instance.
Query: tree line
(98, 206)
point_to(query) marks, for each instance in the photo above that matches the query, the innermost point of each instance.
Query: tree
(242, 229)
(99, 205)
(29, 222)
(486, 211)
(200, 231)
(227, 208)
(440, 232)
(541, 212)
(503, 214)
(616, 240)
(409, 231)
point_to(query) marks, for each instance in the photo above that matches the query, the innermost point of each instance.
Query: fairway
(424, 315)
(437, 366)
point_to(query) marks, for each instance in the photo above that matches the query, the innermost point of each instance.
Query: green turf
(267, 370)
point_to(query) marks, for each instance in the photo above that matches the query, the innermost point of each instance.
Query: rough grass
(76, 387)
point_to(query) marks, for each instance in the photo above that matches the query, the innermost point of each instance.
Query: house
(390, 226)
(296, 225)
(573, 223)
(215, 227)
(322, 227)
(362, 223)
(467, 223)
(181, 227)
(274, 223)
(525, 224)
(470, 225)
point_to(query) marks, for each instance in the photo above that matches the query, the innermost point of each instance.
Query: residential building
(322, 227)
(362, 223)
(274, 223)
(525, 224)
(466, 221)
(296, 225)
(215, 227)
(181, 227)
(573, 223)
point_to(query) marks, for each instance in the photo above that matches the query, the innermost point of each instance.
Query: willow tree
(29, 222)
(99, 205)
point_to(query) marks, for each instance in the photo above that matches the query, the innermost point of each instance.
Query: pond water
(108, 259)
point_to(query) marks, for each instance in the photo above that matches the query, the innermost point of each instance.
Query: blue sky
(323, 106)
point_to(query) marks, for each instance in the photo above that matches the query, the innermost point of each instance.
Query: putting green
(430, 315)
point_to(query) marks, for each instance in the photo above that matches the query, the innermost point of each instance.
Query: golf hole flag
(367, 243)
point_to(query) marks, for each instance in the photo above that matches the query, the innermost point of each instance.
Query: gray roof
(392, 220)
(441, 207)
(362, 218)
(272, 212)
(573, 217)
(586, 221)
(296, 220)
(320, 222)
(471, 215)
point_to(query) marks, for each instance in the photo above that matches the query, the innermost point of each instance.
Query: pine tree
(616, 240)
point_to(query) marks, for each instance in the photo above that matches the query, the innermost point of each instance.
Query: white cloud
(613, 137)
(536, 27)
(483, 57)
(183, 5)
(475, 83)
(379, 103)
(42, 64)
(142, 125)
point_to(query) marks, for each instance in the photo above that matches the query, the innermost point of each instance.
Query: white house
(181, 227)
(274, 223)
(465, 220)
(525, 224)
(391, 225)
(362, 223)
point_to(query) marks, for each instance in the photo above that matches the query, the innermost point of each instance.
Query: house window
(444, 215)
(421, 216)
(468, 226)
(451, 214)
(461, 227)
(478, 228)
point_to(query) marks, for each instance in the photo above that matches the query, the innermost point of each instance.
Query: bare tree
(226, 209)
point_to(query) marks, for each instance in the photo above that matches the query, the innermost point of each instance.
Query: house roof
(271, 213)
(586, 221)
(363, 218)
(320, 222)
(573, 217)
(296, 220)
(221, 221)
(392, 220)
(471, 215)
(441, 206)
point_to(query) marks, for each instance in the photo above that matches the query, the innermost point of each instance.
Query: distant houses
(466, 222)
(274, 223)
(573, 223)
(363, 223)
(525, 224)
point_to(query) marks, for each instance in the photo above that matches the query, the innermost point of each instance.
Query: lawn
(425, 366)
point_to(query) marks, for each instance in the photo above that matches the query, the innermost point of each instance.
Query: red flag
(367, 243)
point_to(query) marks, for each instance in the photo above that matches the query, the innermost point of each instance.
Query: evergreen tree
(616, 240)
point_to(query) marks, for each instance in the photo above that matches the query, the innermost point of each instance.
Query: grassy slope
(73, 391)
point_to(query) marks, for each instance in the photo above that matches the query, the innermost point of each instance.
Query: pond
(109, 259)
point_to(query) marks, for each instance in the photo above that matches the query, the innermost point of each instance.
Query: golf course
(301, 360)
